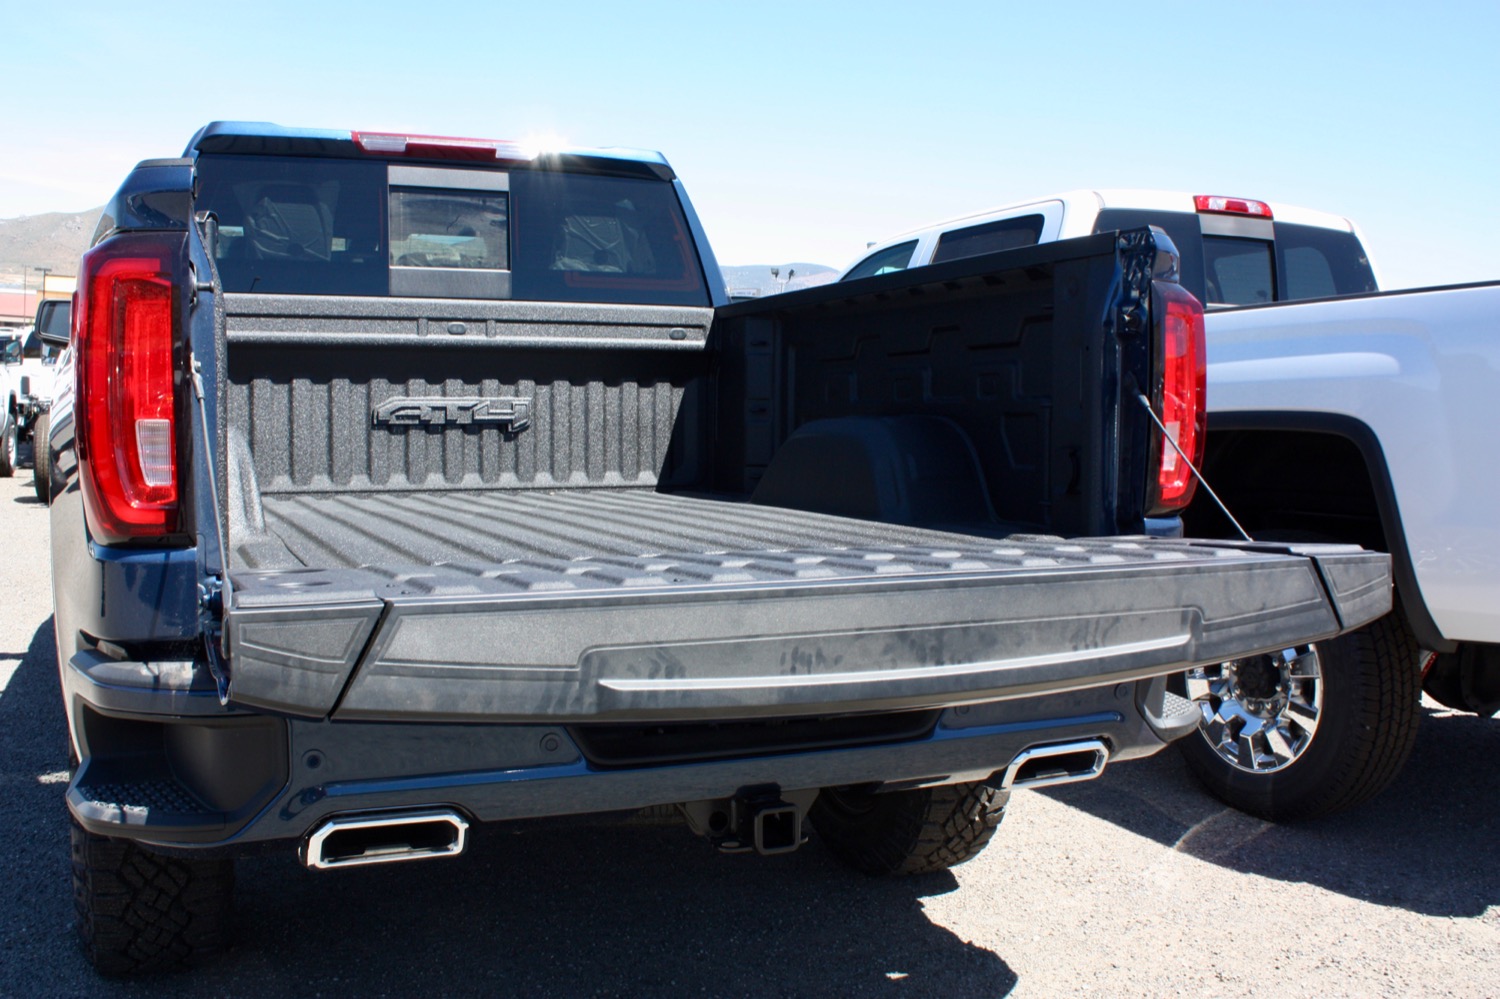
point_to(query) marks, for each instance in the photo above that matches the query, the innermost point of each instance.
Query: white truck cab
(1235, 251)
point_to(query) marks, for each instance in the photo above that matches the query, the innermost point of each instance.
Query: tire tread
(41, 469)
(913, 832)
(141, 912)
(8, 445)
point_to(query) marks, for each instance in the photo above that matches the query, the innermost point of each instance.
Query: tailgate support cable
(214, 592)
(1146, 404)
(218, 652)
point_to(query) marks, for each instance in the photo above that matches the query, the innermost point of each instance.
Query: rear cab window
(989, 237)
(1224, 264)
(324, 226)
(1238, 271)
(1182, 227)
(1315, 262)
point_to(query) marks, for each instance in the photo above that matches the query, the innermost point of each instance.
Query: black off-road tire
(8, 446)
(908, 832)
(140, 912)
(41, 468)
(1371, 708)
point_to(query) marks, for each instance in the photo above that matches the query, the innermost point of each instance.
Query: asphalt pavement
(1135, 884)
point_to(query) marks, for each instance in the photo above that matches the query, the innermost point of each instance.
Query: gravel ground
(1135, 884)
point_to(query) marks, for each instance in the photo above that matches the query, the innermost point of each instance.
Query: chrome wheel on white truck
(1311, 730)
(1260, 714)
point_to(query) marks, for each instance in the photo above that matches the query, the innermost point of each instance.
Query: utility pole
(43, 289)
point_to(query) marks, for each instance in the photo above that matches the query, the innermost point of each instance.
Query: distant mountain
(756, 279)
(55, 240)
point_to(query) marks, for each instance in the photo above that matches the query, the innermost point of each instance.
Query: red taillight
(125, 327)
(1183, 400)
(445, 147)
(1218, 205)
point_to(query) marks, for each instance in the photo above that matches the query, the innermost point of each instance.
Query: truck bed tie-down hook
(1146, 403)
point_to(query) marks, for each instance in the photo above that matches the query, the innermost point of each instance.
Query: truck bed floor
(352, 530)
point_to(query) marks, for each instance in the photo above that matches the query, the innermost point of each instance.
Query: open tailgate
(773, 633)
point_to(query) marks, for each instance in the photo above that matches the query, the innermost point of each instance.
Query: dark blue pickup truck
(407, 484)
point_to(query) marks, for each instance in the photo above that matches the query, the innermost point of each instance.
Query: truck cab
(1235, 251)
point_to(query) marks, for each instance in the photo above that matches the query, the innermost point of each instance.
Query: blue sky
(804, 131)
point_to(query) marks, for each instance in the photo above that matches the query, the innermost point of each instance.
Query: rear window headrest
(289, 221)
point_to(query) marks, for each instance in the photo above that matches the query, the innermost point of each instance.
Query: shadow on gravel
(1430, 843)
(37, 956)
(601, 911)
(637, 910)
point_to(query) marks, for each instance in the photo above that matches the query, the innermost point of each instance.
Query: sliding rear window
(1237, 271)
(310, 226)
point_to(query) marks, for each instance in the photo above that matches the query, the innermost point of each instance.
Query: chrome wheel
(1259, 713)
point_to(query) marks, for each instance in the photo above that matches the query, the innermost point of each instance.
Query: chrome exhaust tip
(360, 840)
(1063, 763)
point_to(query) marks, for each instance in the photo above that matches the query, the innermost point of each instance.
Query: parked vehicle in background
(434, 483)
(52, 332)
(27, 368)
(1365, 419)
(1343, 419)
(1235, 251)
(11, 406)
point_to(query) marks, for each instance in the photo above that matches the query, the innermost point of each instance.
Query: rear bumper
(999, 664)
(229, 780)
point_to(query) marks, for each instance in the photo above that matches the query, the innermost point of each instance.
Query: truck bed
(604, 561)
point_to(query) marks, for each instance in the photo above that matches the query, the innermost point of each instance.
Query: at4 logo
(512, 413)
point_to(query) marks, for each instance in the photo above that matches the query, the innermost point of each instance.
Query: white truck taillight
(126, 330)
(1183, 403)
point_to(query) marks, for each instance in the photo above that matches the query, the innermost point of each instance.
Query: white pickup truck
(27, 368)
(33, 377)
(10, 404)
(1335, 412)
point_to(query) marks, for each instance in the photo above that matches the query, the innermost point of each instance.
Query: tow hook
(759, 819)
